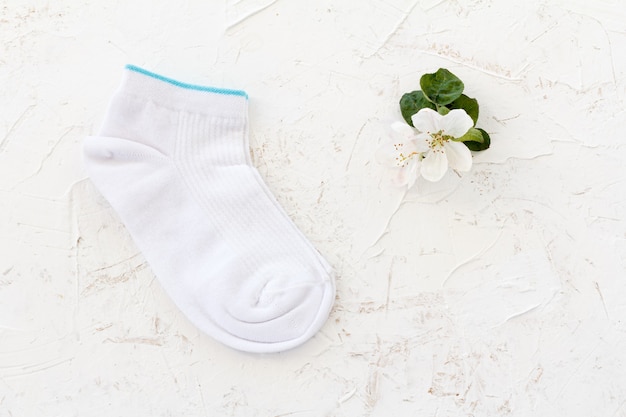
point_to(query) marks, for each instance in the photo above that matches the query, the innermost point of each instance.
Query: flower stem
(443, 110)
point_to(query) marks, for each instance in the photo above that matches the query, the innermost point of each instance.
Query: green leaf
(412, 102)
(442, 87)
(472, 135)
(443, 110)
(480, 146)
(470, 105)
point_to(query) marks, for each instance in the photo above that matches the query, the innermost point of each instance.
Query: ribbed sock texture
(173, 160)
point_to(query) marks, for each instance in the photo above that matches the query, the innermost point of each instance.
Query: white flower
(402, 153)
(429, 148)
(437, 134)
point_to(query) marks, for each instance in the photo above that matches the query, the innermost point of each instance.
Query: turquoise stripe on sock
(185, 85)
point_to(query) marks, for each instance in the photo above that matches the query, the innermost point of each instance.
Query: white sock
(172, 159)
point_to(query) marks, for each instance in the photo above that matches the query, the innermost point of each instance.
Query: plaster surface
(499, 292)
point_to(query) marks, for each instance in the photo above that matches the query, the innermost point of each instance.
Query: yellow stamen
(402, 159)
(437, 140)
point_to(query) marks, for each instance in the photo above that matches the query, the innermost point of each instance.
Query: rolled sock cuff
(178, 95)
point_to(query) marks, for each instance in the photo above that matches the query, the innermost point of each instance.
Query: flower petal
(427, 121)
(459, 156)
(422, 142)
(456, 123)
(412, 173)
(399, 176)
(434, 166)
(402, 131)
(386, 154)
(410, 147)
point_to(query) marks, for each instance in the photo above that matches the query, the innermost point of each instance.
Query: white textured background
(501, 293)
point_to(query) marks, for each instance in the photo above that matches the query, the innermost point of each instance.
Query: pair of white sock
(173, 160)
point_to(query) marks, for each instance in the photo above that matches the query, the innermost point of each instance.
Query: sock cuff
(179, 95)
